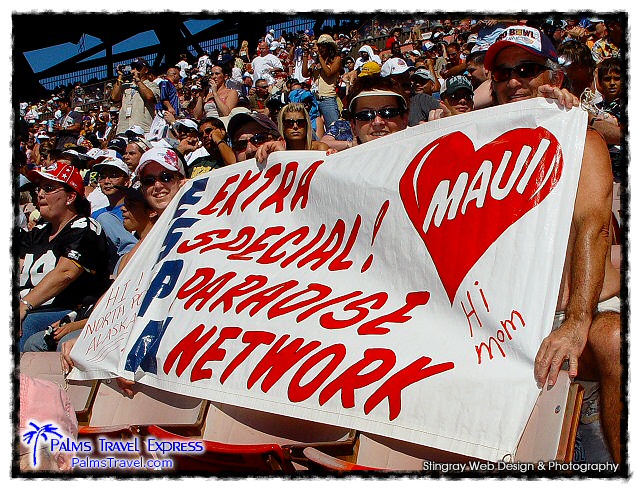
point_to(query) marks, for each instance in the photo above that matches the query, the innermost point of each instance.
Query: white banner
(401, 287)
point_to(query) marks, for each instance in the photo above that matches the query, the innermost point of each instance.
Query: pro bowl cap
(167, 157)
(524, 37)
(112, 162)
(242, 118)
(59, 171)
(453, 84)
(394, 66)
(369, 68)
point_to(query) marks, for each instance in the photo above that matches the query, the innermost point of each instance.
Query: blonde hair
(296, 107)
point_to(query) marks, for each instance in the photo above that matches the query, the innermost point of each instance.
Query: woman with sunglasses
(377, 108)
(161, 173)
(219, 100)
(64, 259)
(294, 125)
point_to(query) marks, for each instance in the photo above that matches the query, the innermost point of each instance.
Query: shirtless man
(587, 327)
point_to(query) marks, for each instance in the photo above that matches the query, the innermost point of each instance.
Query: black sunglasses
(206, 132)
(256, 140)
(384, 113)
(289, 123)
(459, 95)
(529, 69)
(149, 180)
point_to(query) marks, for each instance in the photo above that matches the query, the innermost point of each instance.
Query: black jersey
(81, 240)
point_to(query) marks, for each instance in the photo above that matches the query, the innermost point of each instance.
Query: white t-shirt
(262, 66)
(97, 199)
(204, 64)
(184, 66)
(200, 152)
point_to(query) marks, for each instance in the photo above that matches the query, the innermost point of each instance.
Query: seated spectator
(249, 131)
(68, 125)
(133, 152)
(455, 65)
(349, 76)
(294, 125)
(218, 100)
(300, 93)
(578, 66)
(377, 108)
(608, 46)
(608, 123)
(186, 132)
(138, 218)
(366, 54)
(112, 174)
(456, 98)
(423, 81)
(161, 173)
(215, 151)
(394, 38)
(475, 67)
(422, 102)
(63, 259)
(258, 100)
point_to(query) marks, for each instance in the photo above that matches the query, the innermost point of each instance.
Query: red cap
(59, 171)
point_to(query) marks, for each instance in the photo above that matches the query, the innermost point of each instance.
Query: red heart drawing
(460, 200)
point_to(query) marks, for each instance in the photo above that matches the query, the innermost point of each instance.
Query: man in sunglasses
(249, 131)
(161, 174)
(377, 108)
(586, 330)
(214, 153)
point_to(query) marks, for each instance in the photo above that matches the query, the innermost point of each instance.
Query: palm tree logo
(34, 435)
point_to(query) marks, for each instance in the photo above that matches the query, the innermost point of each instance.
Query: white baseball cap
(167, 157)
(393, 66)
(112, 162)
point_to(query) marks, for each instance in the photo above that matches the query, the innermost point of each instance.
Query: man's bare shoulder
(596, 153)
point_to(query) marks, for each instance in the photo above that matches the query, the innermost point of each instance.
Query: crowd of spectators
(302, 91)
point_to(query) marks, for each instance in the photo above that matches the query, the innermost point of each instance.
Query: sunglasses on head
(164, 177)
(256, 140)
(289, 123)
(384, 113)
(529, 69)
